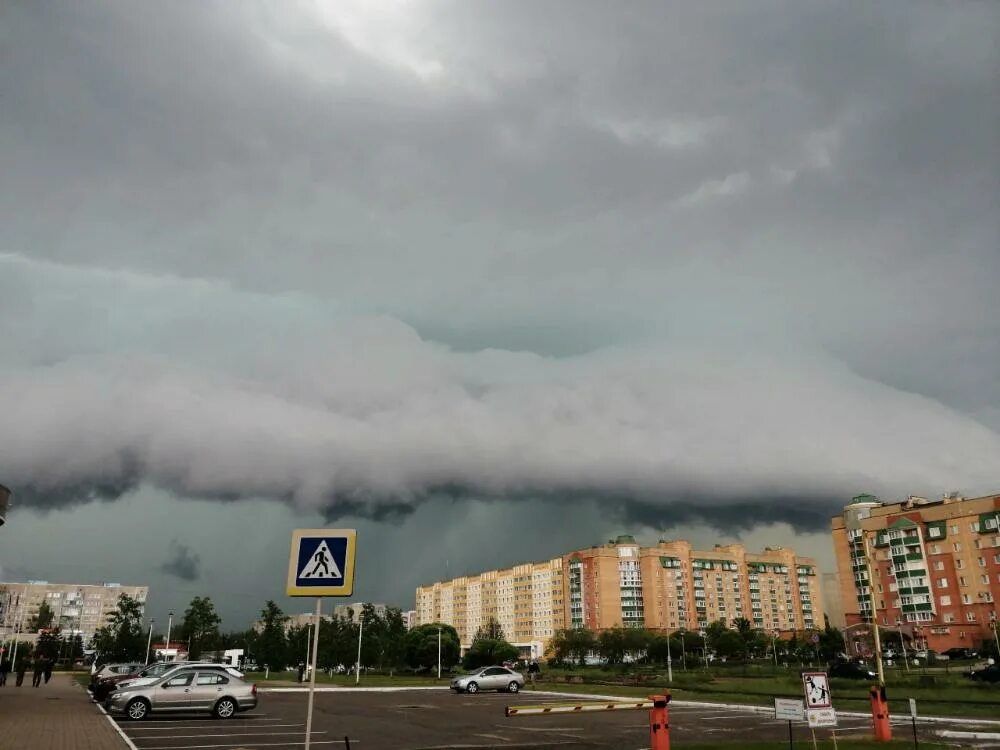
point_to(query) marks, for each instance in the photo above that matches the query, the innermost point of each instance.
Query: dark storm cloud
(730, 263)
(182, 562)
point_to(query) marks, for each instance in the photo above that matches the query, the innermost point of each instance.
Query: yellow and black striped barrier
(576, 708)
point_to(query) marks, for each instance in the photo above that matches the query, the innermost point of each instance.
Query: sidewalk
(57, 716)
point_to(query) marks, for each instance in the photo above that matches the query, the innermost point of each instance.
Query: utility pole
(170, 622)
(361, 627)
(439, 652)
(871, 596)
(149, 640)
(902, 646)
(670, 662)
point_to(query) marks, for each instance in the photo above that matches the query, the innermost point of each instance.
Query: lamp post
(704, 638)
(439, 652)
(774, 647)
(902, 645)
(149, 640)
(996, 632)
(361, 626)
(170, 622)
(670, 662)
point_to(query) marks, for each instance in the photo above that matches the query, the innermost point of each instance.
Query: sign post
(321, 563)
(913, 718)
(790, 710)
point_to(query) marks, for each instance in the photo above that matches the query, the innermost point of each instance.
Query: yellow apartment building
(935, 566)
(668, 587)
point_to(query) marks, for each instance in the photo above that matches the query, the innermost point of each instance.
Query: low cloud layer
(681, 264)
(182, 562)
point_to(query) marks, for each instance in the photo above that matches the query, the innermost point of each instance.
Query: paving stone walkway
(57, 716)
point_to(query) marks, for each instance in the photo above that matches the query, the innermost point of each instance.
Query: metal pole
(684, 661)
(361, 627)
(439, 653)
(902, 646)
(670, 662)
(308, 641)
(170, 622)
(871, 595)
(149, 640)
(312, 677)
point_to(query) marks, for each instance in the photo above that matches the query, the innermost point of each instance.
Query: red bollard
(659, 723)
(880, 714)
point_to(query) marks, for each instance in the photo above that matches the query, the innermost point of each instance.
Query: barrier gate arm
(659, 719)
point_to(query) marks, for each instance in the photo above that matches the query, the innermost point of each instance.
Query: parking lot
(439, 720)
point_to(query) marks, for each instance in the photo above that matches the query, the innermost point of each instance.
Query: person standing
(22, 667)
(37, 667)
(48, 669)
(4, 669)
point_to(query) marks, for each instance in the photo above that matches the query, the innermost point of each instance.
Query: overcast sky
(488, 281)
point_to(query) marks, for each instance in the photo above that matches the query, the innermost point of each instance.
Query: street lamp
(439, 652)
(670, 662)
(704, 638)
(774, 647)
(902, 646)
(170, 622)
(149, 640)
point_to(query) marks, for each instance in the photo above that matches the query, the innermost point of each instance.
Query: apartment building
(673, 587)
(525, 599)
(621, 584)
(934, 566)
(78, 608)
(352, 612)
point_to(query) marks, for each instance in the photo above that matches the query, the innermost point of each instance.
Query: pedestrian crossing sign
(321, 562)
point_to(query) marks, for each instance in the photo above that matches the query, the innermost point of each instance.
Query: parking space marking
(203, 724)
(256, 744)
(224, 734)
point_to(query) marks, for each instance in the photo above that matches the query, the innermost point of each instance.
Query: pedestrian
(302, 671)
(4, 669)
(48, 669)
(22, 667)
(533, 671)
(37, 667)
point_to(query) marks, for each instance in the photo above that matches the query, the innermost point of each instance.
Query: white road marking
(209, 724)
(256, 744)
(125, 737)
(228, 734)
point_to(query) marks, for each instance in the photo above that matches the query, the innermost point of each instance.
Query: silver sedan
(489, 678)
(188, 691)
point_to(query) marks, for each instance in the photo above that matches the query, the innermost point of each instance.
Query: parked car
(990, 673)
(961, 653)
(112, 670)
(107, 686)
(489, 678)
(188, 690)
(851, 670)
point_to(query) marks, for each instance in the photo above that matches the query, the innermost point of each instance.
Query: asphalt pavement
(440, 720)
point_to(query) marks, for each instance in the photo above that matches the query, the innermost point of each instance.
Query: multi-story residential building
(933, 566)
(410, 618)
(78, 608)
(4, 503)
(352, 611)
(526, 600)
(668, 587)
(673, 587)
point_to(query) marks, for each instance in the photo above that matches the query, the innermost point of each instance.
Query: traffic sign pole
(312, 676)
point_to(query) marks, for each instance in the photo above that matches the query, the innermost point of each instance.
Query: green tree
(728, 644)
(372, 637)
(421, 646)
(487, 651)
(394, 650)
(48, 645)
(121, 638)
(271, 646)
(73, 647)
(491, 630)
(611, 645)
(658, 650)
(200, 626)
(573, 644)
(42, 620)
(831, 642)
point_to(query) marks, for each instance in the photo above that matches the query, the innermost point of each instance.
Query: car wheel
(137, 710)
(225, 709)
(513, 687)
(472, 687)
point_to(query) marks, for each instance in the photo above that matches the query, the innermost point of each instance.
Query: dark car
(961, 653)
(851, 670)
(986, 674)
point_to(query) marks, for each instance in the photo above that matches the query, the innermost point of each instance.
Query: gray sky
(488, 281)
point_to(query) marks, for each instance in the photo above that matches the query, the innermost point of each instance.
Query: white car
(489, 678)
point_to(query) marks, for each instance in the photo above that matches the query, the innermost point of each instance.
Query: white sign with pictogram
(816, 687)
(821, 717)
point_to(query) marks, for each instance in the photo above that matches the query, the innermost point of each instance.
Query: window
(970, 616)
(935, 549)
(984, 579)
(942, 583)
(211, 679)
(974, 526)
(966, 599)
(982, 562)
(959, 564)
(957, 546)
(181, 681)
(949, 617)
(962, 581)
(944, 601)
(954, 529)
(939, 565)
